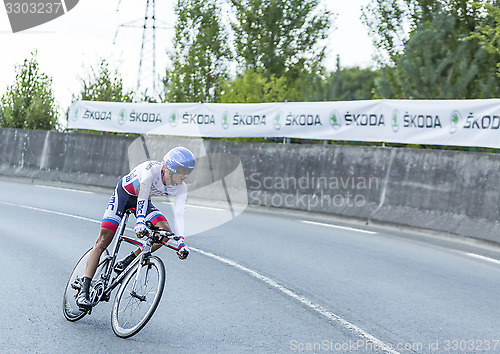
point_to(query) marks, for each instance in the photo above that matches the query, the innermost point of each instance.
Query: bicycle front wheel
(138, 297)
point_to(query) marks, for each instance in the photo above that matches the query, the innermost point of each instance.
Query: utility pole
(147, 81)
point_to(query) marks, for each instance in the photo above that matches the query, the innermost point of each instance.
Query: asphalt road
(264, 282)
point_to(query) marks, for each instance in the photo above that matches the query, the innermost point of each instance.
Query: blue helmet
(180, 160)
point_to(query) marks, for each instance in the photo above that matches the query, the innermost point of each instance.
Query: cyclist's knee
(104, 239)
(163, 225)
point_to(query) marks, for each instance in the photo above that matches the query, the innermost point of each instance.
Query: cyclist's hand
(140, 229)
(183, 253)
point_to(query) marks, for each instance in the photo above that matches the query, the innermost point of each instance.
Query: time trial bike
(140, 284)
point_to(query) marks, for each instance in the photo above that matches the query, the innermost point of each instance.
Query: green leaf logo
(335, 120)
(395, 121)
(225, 120)
(454, 121)
(122, 115)
(277, 121)
(172, 119)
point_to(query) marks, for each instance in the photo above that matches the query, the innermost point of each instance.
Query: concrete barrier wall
(454, 192)
(79, 158)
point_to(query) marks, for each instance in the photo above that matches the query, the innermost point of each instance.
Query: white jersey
(145, 181)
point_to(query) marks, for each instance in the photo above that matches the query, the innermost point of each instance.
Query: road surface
(264, 282)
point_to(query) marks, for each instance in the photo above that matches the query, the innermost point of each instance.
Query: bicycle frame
(146, 246)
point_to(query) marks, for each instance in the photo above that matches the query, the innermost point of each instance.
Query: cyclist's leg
(118, 203)
(112, 217)
(103, 240)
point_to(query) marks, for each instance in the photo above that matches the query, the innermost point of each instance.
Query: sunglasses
(183, 170)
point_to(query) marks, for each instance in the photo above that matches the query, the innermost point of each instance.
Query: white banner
(435, 122)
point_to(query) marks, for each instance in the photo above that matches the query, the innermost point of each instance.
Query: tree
(346, 84)
(388, 22)
(488, 34)
(103, 84)
(29, 103)
(280, 37)
(432, 59)
(436, 64)
(199, 63)
(392, 21)
(254, 87)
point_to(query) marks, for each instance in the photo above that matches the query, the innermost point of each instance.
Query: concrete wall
(455, 192)
(79, 158)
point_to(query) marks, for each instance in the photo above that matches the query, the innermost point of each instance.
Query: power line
(147, 81)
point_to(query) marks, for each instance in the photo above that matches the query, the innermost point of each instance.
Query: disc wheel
(70, 308)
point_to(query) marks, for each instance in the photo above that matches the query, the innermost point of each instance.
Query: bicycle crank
(96, 293)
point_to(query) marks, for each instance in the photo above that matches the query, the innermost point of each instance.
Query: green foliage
(103, 84)
(437, 64)
(281, 37)
(201, 54)
(278, 47)
(388, 22)
(254, 87)
(392, 21)
(29, 103)
(343, 85)
(488, 34)
(433, 60)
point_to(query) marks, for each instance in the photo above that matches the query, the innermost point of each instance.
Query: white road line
(205, 207)
(478, 256)
(51, 211)
(338, 227)
(331, 316)
(63, 189)
(198, 206)
(62, 214)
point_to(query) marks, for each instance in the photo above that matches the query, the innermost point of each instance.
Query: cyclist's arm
(143, 197)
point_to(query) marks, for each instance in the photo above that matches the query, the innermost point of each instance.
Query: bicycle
(141, 282)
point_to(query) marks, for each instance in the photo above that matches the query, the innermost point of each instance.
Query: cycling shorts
(119, 202)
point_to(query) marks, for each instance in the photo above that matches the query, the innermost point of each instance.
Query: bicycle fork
(144, 257)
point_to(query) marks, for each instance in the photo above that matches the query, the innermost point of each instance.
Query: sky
(67, 46)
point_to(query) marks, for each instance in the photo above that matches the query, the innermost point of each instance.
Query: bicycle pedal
(76, 285)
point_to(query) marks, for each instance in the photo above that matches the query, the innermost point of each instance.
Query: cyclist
(150, 178)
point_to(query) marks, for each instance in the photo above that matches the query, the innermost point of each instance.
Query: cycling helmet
(180, 160)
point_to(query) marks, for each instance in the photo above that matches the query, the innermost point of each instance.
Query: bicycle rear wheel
(134, 306)
(70, 308)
